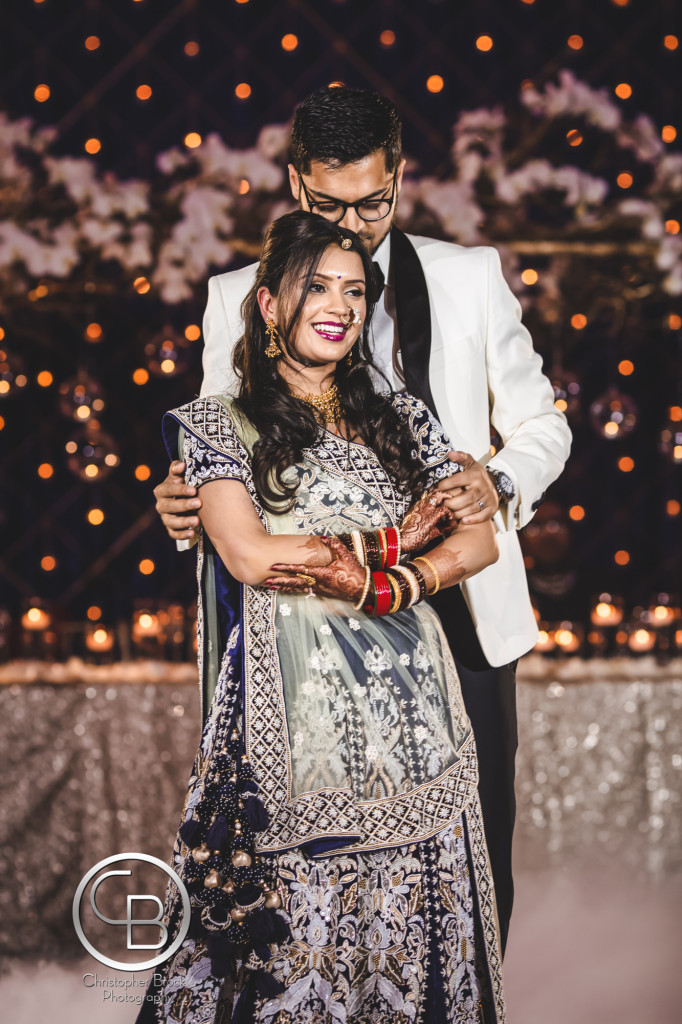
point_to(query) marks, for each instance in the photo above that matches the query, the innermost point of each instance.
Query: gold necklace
(327, 404)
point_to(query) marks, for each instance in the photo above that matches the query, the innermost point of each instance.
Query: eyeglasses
(336, 209)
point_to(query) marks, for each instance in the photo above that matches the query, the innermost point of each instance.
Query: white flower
(354, 624)
(285, 609)
(371, 753)
(298, 739)
(421, 733)
(326, 630)
(404, 659)
(308, 687)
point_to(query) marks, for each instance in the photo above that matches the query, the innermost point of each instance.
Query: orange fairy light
(143, 92)
(575, 42)
(674, 322)
(435, 83)
(192, 332)
(626, 367)
(44, 379)
(668, 133)
(140, 376)
(192, 140)
(484, 43)
(244, 187)
(387, 37)
(672, 227)
(41, 93)
(95, 516)
(191, 48)
(676, 413)
(93, 332)
(626, 464)
(624, 179)
(576, 513)
(141, 285)
(671, 42)
(94, 612)
(672, 507)
(146, 567)
(529, 276)
(289, 42)
(92, 43)
(242, 91)
(578, 321)
(92, 146)
(574, 137)
(623, 91)
(47, 563)
(142, 472)
(45, 470)
(621, 557)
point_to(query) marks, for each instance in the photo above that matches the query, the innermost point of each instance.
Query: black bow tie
(380, 279)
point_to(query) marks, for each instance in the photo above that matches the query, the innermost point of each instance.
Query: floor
(583, 949)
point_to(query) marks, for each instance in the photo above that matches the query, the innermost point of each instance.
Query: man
(448, 328)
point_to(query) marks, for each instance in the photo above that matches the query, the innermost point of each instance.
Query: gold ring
(309, 581)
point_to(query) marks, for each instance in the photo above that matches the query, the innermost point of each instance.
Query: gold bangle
(397, 595)
(365, 589)
(423, 558)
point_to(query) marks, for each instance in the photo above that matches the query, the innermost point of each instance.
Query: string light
(574, 137)
(623, 91)
(41, 93)
(676, 413)
(674, 322)
(140, 376)
(142, 472)
(626, 367)
(93, 332)
(336, 85)
(92, 146)
(668, 133)
(141, 285)
(48, 563)
(624, 179)
(244, 187)
(434, 83)
(192, 140)
(191, 48)
(575, 42)
(2, 422)
(672, 507)
(484, 43)
(671, 42)
(146, 567)
(94, 612)
(143, 92)
(95, 516)
(387, 37)
(578, 321)
(576, 513)
(44, 379)
(242, 91)
(92, 43)
(529, 276)
(621, 557)
(626, 464)
(192, 332)
(45, 470)
(289, 42)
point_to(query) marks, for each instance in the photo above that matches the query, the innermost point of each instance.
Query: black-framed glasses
(336, 209)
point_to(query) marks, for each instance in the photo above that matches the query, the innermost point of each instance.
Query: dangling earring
(273, 349)
(349, 358)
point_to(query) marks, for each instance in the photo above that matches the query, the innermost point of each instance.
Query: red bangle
(384, 594)
(391, 535)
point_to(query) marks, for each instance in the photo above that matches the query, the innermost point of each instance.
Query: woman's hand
(427, 520)
(343, 577)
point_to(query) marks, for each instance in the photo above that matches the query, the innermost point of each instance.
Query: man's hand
(175, 502)
(471, 494)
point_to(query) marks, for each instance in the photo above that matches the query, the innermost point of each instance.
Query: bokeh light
(529, 276)
(92, 146)
(289, 42)
(668, 133)
(41, 93)
(626, 367)
(95, 516)
(143, 92)
(92, 43)
(146, 566)
(242, 91)
(192, 140)
(575, 42)
(192, 332)
(623, 91)
(191, 48)
(44, 379)
(484, 43)
(578, 321)
(435, 83)
(387, 37)
(624, 179)
(621, 557)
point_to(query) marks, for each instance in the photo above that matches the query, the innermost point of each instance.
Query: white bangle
(365, 589)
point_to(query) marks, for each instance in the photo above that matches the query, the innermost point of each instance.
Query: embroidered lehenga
(363, 756)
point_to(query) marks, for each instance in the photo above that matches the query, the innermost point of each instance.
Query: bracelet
(402, 585)
(382, 597)
(397, 593)
(420, 578)
(436, 576)
(365, 589)
(356, 544)
(411, 578)
(393, 545)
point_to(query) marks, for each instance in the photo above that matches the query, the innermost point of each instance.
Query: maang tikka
(273, 350)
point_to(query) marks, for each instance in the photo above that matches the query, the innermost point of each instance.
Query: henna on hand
(427, 520)
(343, 577)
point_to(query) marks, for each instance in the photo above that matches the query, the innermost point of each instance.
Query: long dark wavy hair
(293, 248)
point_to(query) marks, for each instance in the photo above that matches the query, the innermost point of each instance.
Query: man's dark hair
(337, 126)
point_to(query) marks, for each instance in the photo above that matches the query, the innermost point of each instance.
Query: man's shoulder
(432, 249)
(234, 283)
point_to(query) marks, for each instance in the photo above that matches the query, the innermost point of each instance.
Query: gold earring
(349, 358)
(273, 349)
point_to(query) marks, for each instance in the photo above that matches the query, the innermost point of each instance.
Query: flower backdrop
(584, 204)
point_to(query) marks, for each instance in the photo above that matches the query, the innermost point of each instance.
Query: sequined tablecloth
(96, 759)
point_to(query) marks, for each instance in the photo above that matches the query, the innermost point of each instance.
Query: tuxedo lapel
(414, 316)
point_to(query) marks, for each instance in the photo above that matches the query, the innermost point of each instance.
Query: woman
(331, 840)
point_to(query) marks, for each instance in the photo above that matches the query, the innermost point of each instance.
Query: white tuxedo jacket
(483, 370)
